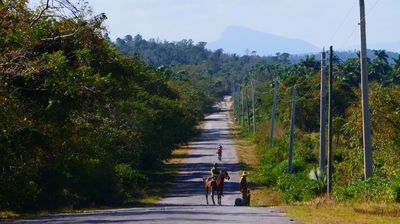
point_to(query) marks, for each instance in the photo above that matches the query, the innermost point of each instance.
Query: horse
(218, 185)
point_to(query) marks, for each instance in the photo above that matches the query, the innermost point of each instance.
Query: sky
(319, 22)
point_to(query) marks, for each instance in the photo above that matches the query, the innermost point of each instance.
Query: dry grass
(246, 152)
(179, 155)
(332, 213)
(392, 210)
(8, 215)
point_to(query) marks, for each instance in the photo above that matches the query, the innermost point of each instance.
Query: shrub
(298, 166)
(296, 187)
(130, 178)
(373, 189)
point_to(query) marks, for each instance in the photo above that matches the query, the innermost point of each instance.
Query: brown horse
(218, 185)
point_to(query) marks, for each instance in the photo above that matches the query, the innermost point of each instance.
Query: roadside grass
(248, 158)
(332, 213)
(8, 215)
(316, 211)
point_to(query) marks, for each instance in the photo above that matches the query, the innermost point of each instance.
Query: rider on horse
(215, 171)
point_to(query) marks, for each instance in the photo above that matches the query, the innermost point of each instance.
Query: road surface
(186, 202)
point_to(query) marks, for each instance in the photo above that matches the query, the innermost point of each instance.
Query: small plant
(319, 177)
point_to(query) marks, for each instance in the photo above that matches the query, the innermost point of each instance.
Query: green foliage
(296, 187)
(298, 166)
(347, 129)
(212, 71)
(81, 124)
(373, 189)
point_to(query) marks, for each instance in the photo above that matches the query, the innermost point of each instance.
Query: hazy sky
(320, 22)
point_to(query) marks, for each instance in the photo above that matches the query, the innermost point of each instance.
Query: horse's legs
(207, 195)
(212, 195)
(219, 197)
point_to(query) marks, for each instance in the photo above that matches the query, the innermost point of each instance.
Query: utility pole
(233, 99)
(322, 143)
(236, 103)
(242, 107)
(364, 91)
(238, 107)
(271, 136)
(247, 109)
(329, 170)
(292, 130)
(254, 107)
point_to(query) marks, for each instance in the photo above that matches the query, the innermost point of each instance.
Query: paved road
(186, 202)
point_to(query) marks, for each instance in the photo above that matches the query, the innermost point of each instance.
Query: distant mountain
(241, 40)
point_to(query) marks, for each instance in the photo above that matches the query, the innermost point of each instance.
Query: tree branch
(61, 36)
(40, 14)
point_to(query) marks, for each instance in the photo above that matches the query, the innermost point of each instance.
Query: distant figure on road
(219, 151)
(243, 188)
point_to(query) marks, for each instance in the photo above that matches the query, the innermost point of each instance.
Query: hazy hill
(394, 46)
(241, 40)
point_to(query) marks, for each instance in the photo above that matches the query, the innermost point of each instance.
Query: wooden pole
(329, 168)
(271, 136)
(238, 107)
(364, 90)
(242, 118)
(247, 110)
(233, 100)
(254, 107)
(322, 143)
(292, 130)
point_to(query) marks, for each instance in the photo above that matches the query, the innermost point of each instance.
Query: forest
(81, 124)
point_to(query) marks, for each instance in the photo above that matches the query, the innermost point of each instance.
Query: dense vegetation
(307, 182)
(81, 124)
(192, 60)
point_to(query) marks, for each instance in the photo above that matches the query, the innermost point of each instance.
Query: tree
(380, 68)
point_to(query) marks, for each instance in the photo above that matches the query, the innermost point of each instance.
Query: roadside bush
(298, 166)
(131, 179)
(296, 187)
(269, 160)
(372, 189)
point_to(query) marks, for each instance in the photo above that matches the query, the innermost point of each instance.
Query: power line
(344, 44)
(343, 21)
(304, 94)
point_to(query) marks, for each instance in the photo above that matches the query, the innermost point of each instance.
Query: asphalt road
(186, 202)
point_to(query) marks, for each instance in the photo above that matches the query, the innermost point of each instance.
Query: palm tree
(381, 55)
(380, 68)
(397, 63)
